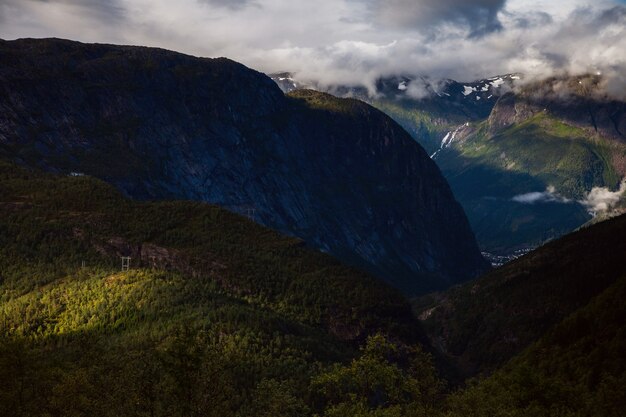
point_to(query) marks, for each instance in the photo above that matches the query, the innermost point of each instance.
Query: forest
(218, 316)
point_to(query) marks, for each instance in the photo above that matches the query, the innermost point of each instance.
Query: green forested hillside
(217, 315)
(544, 148)
(221, 317)
(577, 369)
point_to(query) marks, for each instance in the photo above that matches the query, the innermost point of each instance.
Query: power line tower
(125, 263)
(251, 213)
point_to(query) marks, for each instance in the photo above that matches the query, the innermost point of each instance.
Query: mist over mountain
(354, 42)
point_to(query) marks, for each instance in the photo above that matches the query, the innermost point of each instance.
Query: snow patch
(468, 90)
(497, 82)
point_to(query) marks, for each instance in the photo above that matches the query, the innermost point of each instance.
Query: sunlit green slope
(216, 316)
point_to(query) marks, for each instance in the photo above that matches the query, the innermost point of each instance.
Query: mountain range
(178, 237)
(528, 160)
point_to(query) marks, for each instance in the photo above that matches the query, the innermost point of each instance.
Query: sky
(353, 41)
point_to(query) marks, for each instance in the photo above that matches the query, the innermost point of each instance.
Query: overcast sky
(351, 41)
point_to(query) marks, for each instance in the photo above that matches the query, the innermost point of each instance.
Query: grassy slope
(486, 171)
(547, 149)
(217, 314)
(484, 323)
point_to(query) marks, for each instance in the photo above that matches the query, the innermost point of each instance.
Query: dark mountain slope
(482, 324)
(577, 369)
(157, 124)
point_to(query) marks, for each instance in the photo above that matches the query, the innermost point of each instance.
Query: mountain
(426, 108)
(526, 161)
(287, 83)
(536, 160)
(481, 325)
(160, 125)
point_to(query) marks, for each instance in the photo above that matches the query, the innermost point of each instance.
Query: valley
(524, 160)
(179, 237)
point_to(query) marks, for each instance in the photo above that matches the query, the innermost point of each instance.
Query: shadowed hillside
(484, 323)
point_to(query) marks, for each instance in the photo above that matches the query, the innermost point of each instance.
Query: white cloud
(538, 197)
(353, 41)
(598, 200)
(418, 90)
(601, 199)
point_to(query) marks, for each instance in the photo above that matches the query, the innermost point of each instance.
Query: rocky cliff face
(159, 125)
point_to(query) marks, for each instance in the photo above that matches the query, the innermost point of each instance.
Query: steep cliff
(158, 125)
